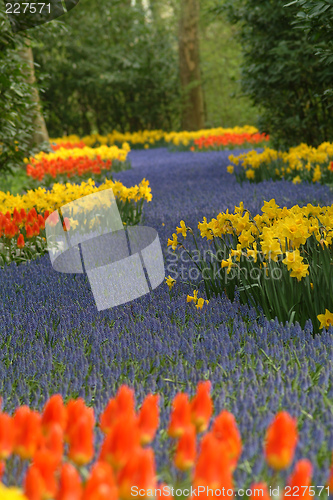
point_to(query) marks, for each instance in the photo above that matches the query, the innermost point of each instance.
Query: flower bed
(176, 140)
(228, 141)
(59, 445)
(22, 217)
(301, 163)
(55, 342)
(75, 163)
(141, 139)
(281, 261)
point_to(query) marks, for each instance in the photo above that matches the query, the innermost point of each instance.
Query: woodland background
(168, 64)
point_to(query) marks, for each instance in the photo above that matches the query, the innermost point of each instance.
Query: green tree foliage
(16, 104)
(281, 73)
(110, 68)
(316, 19)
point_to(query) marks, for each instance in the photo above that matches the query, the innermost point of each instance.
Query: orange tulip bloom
(81, 440)
(47, 464)
(7, 436)
(28, 432)
(34, 486)
(41, 221)
(101, 484)
(20, 241)
(281, 440)
(75, 409)
(149, 418)
(54, 442)
(16, 217)
(226, 431)
(186, 449)
(180, 417)
(202, 406)
(30, 218)
(55, 412)
(213, 466)
(66, 224)
(109, 416)
(23, 215)
(35, 229)
(70, 486)
(300, 478)
(139, 471)
(260, 486)
(330, 479)
(29, 232)
(125, 401)
(123, 404)
(121, 442)
(52, 219)
(10, 230)
(33, 213)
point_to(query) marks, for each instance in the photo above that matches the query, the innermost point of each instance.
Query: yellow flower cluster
(325, 319)
(170, 282)
(184, 138)
(301, 162)
(280, 232)
(11, 493)
(104, 152)
(150, 137)
(198, 302)
(143, 137)
(61, 194)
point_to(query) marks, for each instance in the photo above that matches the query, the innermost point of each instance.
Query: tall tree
(40, 133)
(16, 106)
(193, 116)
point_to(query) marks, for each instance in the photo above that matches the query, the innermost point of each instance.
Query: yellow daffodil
(246, 238)
(253, 253)
(170, 281)
(200, 303)
(297, 180)
(205, 230)
(173, 242)
(227, 263)
(250, 173)
(11, 493)
(292, 258)
(325, 319)
(194, 298)
(230, 169)
(299, 271)
(182, 229)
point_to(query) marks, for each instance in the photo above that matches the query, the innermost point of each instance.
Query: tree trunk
(189, 65)
(40, 131)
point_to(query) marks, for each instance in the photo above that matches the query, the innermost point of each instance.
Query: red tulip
(148, 418)
(186, 449)
(281, 440)
(20, 241)
(180, 418)
(202, 406)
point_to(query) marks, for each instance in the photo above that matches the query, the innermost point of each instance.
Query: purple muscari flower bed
(53, 339)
